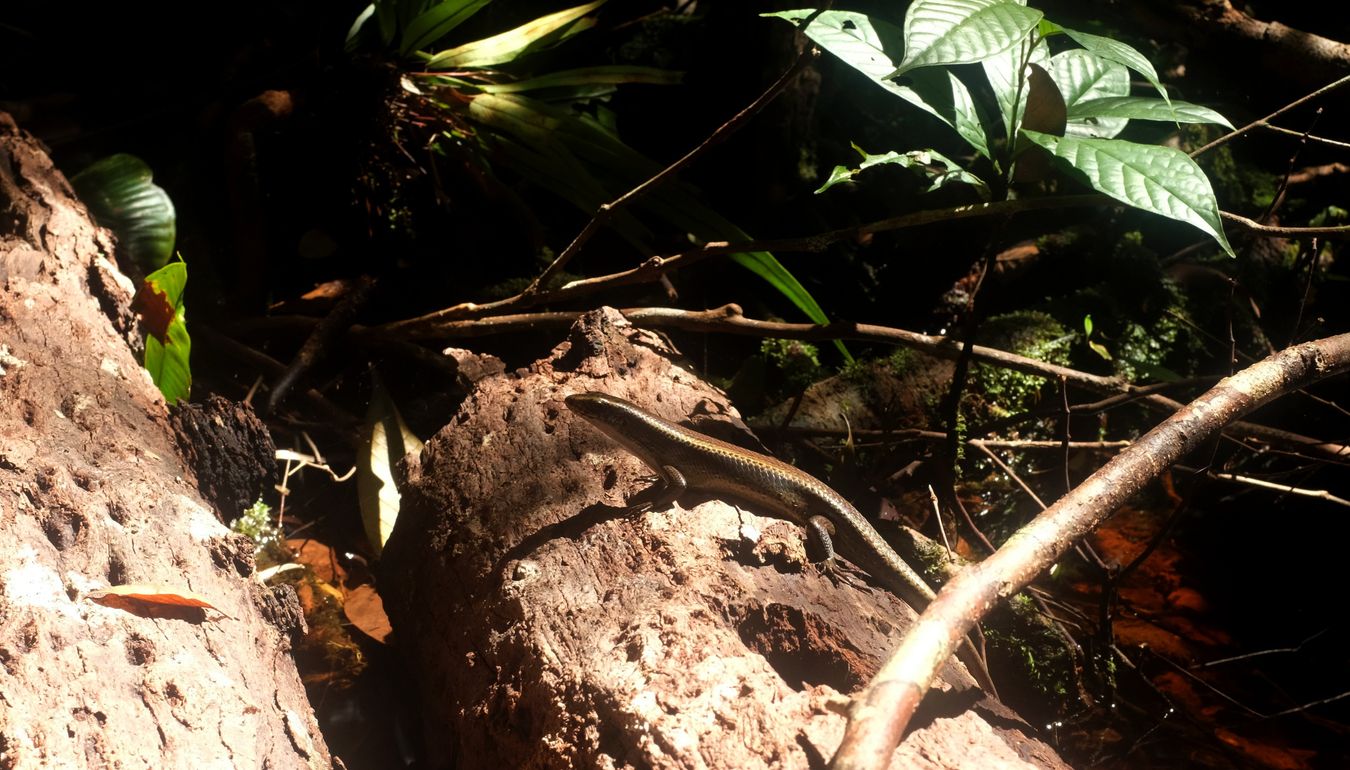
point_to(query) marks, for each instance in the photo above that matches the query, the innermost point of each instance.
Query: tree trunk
(552, 629)
(93, 494)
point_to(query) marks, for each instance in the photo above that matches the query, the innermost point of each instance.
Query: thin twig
(606, 211)
(1012, 474)
(1265, 122)
(1318, 494)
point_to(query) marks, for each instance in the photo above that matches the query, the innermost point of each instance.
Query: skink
(688, 461)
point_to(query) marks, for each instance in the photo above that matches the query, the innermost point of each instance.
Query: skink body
(687, 460)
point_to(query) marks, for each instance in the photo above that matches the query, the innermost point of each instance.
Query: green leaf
(962, 31)
(121, 194)
(168, 348)
(609, 75)
(1082, 76)
(354, 34)
(1138, 108)
(386, 440)
(1120, 53)
(579, 155)
(1087, 324)
(1099, 349)
(840, 175)
(1160, 180)
(862, 42)
(1001, 72)
(855, 38)
(939, 169)
(436, 22)
(511, 45)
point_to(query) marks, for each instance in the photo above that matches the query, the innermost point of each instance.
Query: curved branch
(880, 714)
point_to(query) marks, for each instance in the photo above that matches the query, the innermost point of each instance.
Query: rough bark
(550, 629)
(93, 494)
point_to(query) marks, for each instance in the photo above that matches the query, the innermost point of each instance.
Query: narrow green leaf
(1139, 108)
(121, 194)
(1161, 180)
(1120, 53)
(436, 22)
(962, 31)
(354, 34)
(512, 44)
(767, 266)
(386, 441)
(1082, 76)
(585, 76)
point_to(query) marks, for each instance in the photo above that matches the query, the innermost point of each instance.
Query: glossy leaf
(1010, 93)
(1138, 108)
(121, 194)
(962, 31)
(512, 44)
(1118, 52)
(1081, 77)
(1156, 179)
(862, 43)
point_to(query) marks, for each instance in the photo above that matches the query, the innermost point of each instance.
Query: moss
(798, 362)
(1027, 333)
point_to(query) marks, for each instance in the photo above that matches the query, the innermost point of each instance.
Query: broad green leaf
(1001, 70)
(1139, 108)
(1120, 53)
(1156, 179)
(511, 45)
(586, 76)
(386, 441)
(941, 94)
(861, 43)
(121, 194)
(962, 31)
(168, 346)
(436, 22)
(1081, 77)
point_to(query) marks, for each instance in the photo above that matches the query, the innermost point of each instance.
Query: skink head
(601, 409)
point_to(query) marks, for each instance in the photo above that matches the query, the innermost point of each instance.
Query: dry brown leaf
(152, 600)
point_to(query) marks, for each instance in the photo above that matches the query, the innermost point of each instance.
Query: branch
(880, 714)
(729, 319)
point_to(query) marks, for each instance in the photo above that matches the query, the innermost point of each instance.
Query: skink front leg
(666, 487)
